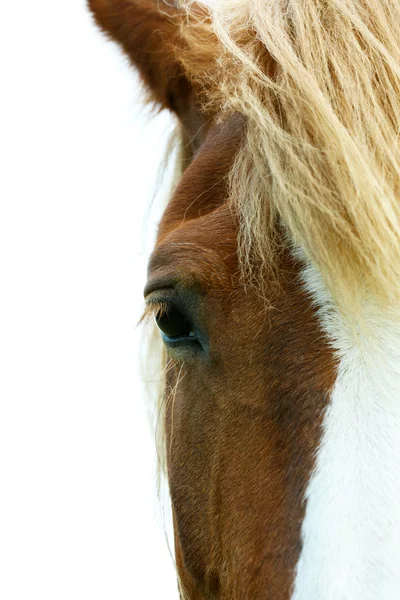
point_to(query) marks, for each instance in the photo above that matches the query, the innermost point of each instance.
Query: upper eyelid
(159, 285)
(172, 284)
(162, 297)
(168, 296)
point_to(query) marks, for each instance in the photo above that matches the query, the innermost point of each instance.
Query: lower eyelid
(182, 338)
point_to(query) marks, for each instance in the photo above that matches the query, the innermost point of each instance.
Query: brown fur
(243, 423)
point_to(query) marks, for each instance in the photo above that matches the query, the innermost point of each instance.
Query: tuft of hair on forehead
(319, 84)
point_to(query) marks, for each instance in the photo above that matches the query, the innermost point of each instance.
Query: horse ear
(150, 33)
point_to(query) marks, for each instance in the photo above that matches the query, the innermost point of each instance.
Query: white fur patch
(351, 529)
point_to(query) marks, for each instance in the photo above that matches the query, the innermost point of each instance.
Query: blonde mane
(319, 84)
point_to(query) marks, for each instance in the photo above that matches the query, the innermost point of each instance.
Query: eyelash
(154, 309)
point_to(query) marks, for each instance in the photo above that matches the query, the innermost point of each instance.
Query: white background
(79, 159)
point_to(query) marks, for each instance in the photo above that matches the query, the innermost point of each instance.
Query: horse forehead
(198, 231)
(203, 186)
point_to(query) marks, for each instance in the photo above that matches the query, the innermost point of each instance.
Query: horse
(274, 284)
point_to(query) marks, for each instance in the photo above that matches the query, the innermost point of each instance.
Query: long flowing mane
(319, 85)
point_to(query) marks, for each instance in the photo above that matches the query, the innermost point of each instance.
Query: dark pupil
(173, 324)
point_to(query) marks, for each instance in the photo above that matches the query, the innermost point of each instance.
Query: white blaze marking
(351, 529)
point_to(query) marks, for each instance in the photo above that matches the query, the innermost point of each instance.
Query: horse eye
(174, 325)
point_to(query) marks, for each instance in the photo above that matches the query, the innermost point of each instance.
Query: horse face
(246, 385)
(248, 376)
